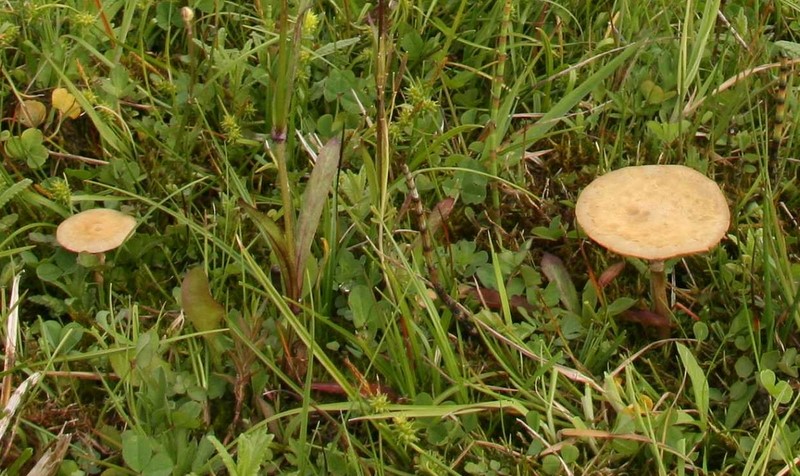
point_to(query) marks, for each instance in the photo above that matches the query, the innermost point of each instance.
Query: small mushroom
(95, 231)
(654, 212)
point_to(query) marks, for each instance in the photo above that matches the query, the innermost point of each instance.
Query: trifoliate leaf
(29, 147)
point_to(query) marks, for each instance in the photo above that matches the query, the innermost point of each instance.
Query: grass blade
(12, 334)
(274, 235)
(569, 101)
(15, 400)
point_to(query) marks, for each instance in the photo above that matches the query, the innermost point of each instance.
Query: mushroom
(95, 231)
(654, 212)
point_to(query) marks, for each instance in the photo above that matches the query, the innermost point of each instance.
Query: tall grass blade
(12, 334)
(701, 40)
(15, 400)
(689, 61)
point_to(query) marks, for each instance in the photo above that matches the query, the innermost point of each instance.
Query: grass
(263, 145)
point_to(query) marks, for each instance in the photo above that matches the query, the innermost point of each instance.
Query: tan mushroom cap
(654, 212)
(95, 231)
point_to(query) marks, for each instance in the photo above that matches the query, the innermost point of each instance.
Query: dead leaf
(440, 213)
(31, 113)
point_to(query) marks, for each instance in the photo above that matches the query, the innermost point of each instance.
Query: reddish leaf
(610, 274)
(440, 213)
(366, 391)
(491, 299)
(436, 218)
(647, 319)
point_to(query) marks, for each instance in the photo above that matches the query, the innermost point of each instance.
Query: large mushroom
(654, 212)
(95, 231)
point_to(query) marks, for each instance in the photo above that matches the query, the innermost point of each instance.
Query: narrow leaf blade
(571, 99)
(274, 235)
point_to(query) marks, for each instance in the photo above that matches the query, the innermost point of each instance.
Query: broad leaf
(137, 450)
(253, 450)
(557, 273)
(317, 190)
(790, 48)
(362, 303)
(199, 305)
(699, 383)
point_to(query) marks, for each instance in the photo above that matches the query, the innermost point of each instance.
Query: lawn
(346, 238)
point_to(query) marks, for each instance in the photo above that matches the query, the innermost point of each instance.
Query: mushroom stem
(658, 291)
(98, 272)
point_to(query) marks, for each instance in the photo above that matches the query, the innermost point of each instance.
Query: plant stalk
(281, 106)
(382, 59)
(498, 81)
(658, 293)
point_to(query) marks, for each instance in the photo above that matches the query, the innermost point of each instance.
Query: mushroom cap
(95, 231)
(654, 212)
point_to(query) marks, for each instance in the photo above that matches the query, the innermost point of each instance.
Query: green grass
(264, 144)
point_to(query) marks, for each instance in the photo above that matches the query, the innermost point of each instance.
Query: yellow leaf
(66, 103)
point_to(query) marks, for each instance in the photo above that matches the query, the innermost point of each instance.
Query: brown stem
(106, 25)
(658, 293)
